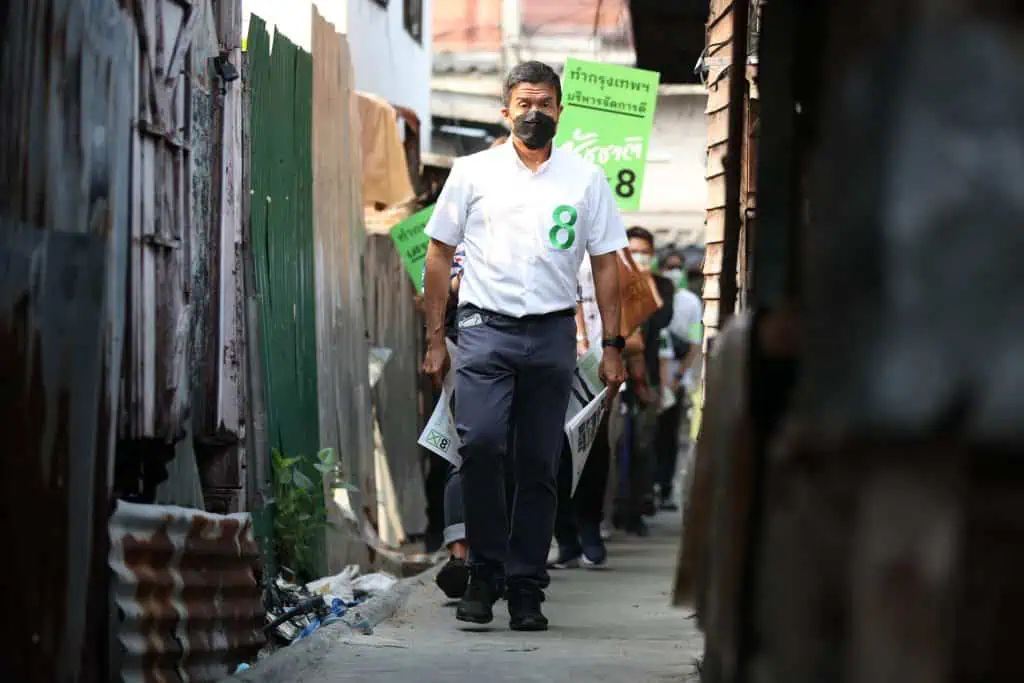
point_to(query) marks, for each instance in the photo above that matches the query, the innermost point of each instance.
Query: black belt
(564, 313)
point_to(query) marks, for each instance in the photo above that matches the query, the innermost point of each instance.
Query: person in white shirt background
(681, 351)
(528, 214)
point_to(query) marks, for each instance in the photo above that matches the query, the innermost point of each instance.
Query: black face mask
(536, 129)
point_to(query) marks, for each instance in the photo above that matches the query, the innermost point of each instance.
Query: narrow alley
(330, 330)
(613, 625)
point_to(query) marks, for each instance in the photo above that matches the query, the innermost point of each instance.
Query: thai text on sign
(411, 242)
(608, 117)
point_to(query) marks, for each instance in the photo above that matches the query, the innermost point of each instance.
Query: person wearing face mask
(528, 214)
(683, 336)
(454, 575)
(643, 398)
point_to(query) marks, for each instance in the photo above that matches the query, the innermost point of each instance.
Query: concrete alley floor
(611, 625)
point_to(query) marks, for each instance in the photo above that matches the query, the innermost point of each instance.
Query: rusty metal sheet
(186, 590)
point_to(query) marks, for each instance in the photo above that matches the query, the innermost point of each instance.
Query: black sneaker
(524, 610)
(477, 605)
(453, 578)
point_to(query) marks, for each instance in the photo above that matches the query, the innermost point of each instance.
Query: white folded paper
(582, 418)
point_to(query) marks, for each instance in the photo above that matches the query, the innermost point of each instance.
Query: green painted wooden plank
(258, 48)
(283, 245)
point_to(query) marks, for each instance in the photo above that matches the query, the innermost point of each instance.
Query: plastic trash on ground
(340, 585)
(374, 584)
(296, 612)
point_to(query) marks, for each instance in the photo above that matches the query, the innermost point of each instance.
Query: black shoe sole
(453, 579)
(528, 626)
(478, 619)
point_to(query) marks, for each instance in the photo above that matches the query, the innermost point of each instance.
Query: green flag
(411, 243)
(609, 112)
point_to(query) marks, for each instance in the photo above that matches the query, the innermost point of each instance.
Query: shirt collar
(511, 151)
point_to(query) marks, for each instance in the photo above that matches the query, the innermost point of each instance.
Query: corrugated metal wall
(65, 104)
(340, 237)
(282, 234)
(179, 620)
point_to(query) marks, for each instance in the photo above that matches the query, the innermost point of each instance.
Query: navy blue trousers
(512, 374)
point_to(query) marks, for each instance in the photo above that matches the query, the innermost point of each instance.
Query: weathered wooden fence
(340, 238)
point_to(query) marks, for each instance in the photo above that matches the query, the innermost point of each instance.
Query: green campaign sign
(411, 243)
(609, 112)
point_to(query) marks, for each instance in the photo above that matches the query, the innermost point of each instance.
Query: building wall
(386, 60)
(475, 25)
(675, 189)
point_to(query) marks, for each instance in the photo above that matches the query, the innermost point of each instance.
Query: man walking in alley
(528, 214)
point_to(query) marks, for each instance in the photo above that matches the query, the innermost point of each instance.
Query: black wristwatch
(614, 343)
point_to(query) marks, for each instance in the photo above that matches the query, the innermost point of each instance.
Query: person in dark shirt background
(643, 398)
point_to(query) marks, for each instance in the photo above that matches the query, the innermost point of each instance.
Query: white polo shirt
(687, 316)
(525, 233)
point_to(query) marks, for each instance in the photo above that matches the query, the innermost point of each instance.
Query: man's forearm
(436, 284)
(606, 287)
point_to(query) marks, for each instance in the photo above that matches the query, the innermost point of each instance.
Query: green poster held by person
(411, 243)
(608, 116)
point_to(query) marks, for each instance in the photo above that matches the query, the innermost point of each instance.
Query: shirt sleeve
(696, 320)
(681, 318)
(697, 327)
(686, 318)
(607, 233)
(448, 222)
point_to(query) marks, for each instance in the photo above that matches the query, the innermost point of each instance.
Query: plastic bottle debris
(296, 612)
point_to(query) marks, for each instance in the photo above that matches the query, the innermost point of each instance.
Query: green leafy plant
(299, 513)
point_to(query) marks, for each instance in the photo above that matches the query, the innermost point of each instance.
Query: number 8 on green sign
(562, 233)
